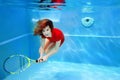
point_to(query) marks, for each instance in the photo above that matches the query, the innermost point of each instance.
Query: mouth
(46, 34)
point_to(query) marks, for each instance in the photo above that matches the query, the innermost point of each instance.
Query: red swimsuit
(58, 1)
(56, 36)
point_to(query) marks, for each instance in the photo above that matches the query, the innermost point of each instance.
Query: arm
(53, 50)
(41, 49)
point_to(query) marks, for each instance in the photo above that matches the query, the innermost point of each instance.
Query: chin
(46, 36)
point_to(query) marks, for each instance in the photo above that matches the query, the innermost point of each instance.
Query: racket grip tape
(36, 61)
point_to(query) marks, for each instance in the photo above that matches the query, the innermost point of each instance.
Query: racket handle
(36, 61)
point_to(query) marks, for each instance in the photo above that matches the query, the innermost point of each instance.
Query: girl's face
(46, 31)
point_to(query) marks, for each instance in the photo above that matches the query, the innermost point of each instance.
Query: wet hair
(41, 24)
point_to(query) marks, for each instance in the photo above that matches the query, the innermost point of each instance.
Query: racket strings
(16, 64)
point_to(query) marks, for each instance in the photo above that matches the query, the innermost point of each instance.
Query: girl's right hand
(40, 59)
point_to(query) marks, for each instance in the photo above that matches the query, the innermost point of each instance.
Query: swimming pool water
(53, 70)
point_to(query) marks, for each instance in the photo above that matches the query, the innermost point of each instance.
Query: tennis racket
(17, 63)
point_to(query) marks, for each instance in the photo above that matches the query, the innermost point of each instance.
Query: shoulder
(56, 30)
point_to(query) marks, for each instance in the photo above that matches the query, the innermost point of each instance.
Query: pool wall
(98, 44)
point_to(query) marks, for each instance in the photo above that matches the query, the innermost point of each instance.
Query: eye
(47, 29)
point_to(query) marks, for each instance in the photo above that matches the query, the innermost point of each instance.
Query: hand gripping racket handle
(38, 60)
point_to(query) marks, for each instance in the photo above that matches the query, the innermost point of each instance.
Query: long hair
(42, 24)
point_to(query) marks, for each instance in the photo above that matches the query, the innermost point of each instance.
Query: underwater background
(88, 53)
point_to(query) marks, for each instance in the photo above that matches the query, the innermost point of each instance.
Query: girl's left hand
(45, 58)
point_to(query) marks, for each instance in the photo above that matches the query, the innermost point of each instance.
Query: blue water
(88, 53)
(67, 71)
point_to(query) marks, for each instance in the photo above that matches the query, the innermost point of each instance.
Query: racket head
(17, 63)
